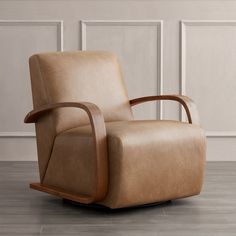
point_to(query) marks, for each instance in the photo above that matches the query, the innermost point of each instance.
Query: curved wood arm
(185, 101)
(100, 143)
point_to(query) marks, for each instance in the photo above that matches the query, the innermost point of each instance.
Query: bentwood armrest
(185, 101)
(100, 143)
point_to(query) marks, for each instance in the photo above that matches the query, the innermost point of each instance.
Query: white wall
(158, 53)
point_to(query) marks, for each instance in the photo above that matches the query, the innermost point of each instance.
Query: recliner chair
(90, 148)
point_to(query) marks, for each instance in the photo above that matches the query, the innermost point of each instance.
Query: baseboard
(18, 149)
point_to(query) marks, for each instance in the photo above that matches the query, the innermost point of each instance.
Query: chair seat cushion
(149, 161)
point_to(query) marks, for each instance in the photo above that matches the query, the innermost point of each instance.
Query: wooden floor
(28, 212)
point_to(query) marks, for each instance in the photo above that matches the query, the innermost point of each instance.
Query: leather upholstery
(71, 77)
(149, 161)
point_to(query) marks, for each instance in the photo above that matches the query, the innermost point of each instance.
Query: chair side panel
(45, 128)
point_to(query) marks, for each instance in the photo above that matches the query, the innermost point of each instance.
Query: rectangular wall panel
(138, 45)
(18, 41)
(209, 73)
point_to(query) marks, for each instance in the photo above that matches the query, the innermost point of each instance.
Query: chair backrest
(79, 76)
(74, 77)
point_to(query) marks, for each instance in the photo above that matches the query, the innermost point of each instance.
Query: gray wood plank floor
(28, 212)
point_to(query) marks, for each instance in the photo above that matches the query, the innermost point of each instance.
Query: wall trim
(183, 24)
(58, 23)
(221, 134)
(18, 134)
(60, 40)
(157, 23)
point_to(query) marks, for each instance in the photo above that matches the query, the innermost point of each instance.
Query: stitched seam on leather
(87, 135)
(48, 99)
(49, 159)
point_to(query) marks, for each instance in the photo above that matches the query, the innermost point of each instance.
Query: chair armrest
(99, 136)
(185, 101)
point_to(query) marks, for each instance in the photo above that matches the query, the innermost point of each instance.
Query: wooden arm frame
(100, 145)
(186, 102)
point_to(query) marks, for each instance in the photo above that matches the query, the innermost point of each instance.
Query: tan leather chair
(91, 150)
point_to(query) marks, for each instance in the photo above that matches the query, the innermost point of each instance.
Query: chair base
(85, 199)
(99, 207)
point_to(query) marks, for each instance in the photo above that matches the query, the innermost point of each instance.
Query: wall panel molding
(158, 23)
(57, 23)
(203, 23)
(8, 23)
